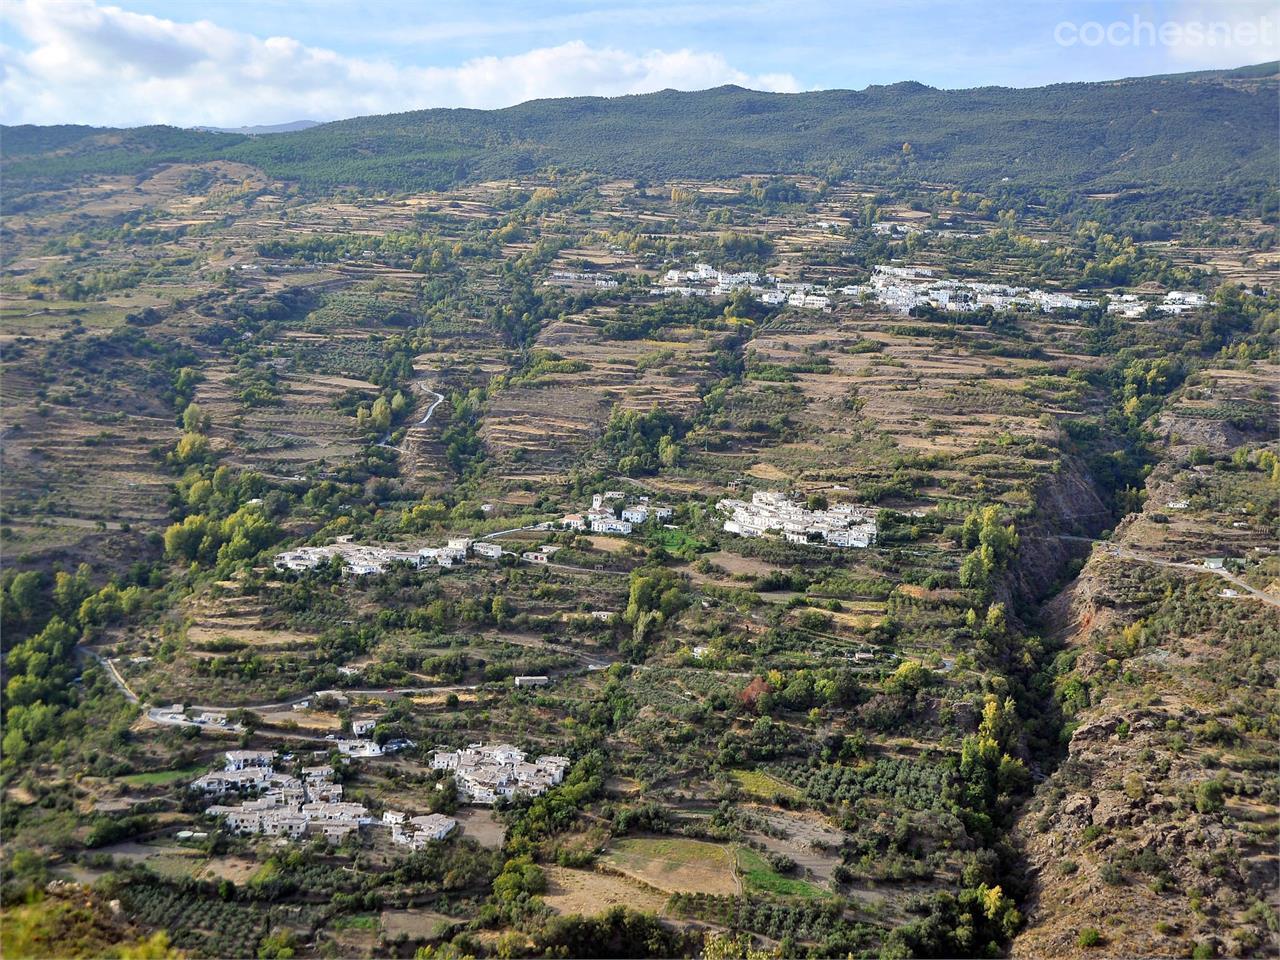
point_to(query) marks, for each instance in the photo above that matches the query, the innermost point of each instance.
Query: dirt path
(1126, 553)
(112, 673)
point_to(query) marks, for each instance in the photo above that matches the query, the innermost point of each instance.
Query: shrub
(1089, 937)
(1209, 796)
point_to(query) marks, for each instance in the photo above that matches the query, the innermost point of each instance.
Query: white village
(841, 525)
(610, 513)
(273, 803)
(485, 774)
(902, 289)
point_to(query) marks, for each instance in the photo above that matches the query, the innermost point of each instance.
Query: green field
(758, 876)
(764, 786)
(679, 543)
(156, 778)
(361, 921)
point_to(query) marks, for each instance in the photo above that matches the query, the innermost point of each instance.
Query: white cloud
(84, 63)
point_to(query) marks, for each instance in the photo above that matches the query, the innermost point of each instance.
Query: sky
(238, 62)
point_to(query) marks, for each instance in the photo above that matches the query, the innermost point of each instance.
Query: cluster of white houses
(362, 559)
(705, 280)
(581, 280)
(281, 805)
(604, 516)
(485, 774)
(710, 281)
(417, 832)
(1175, 301)
(841, 525)
(902, 289)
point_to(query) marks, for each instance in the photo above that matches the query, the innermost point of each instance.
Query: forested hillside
(1204, 136)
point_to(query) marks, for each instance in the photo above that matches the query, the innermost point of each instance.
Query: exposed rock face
(1069, 511)
(1217, 435)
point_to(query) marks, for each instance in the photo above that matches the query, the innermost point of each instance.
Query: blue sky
(231, 62)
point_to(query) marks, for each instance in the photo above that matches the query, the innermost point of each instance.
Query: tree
(380, 414)
(155, 947)
(195, 420)
(278, 945)
(70, 590)
(191, 448)
(26, 593)
(1089, 937)
(668, 452)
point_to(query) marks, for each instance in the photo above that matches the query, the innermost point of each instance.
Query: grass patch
(759, 876)
(676, 865)
(156, 778)
(360, 921)
(264, 874)
(764, 786)
(679, 543)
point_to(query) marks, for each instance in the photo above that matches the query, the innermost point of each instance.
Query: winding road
(439, 399)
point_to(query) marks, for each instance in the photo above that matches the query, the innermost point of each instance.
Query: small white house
(361, 727)
(434, 826)
(635, 514)
(609, 525)
(532, 681)
(359, 748)
(242, 759)
(484, 549)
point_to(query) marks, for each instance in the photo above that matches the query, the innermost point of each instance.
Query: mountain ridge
(1145, 133)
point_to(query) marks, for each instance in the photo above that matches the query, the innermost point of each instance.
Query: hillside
(826, 566)
(1154, 836)
(1161, 133)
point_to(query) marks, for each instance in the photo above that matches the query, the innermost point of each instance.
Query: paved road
(439, 399)
(537, 643)
(114, 675)
(550, 563)
(566, 566)
(356, 691)
(545, 525)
